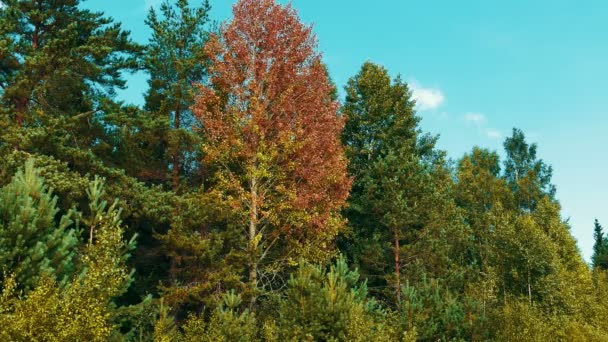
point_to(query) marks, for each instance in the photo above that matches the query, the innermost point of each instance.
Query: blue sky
(478, 68)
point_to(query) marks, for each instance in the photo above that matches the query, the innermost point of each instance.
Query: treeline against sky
(246, 202)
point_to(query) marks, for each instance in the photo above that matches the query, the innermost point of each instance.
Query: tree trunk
(397, 268)
(504, 288)
(529, 288)
(253, 243)
(21, 102)
(35, 38)
(20, 110)
(175, 171)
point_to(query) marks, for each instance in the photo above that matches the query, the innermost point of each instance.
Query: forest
(252, 199)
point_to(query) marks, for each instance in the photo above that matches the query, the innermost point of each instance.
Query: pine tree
(147, 210)
(35, 241)
(330, 305)
(204, 245)
(58, 59)
(83, 308)
(228, 322)
(599, 258)
(401, 189)
(165, 329)
(176, 63)
(433, 312)
(380, 138)
(380, 117)
(57, 106)
(62, 65)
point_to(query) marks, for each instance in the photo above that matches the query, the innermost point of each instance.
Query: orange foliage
(268, 117)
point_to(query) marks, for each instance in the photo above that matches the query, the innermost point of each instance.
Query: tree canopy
(249, 199)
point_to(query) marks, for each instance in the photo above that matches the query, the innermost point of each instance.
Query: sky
(477, 68)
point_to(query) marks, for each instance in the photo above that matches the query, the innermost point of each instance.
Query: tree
(484, 197)
(380, 117)
(207, 259)
(227, 323)
(518, 321)
(60, 67)
(520, 249)
(330, 305)
(147, 210)
(600, 247)
(175, 60)
(35, 241)
(401, 190)
(83, 308)
(538, 250)
(272, 136)
(57, 58)
(165, 329)
(433, 312)
(380, 137)
(234, 176)
(527, 258)
(529, 177)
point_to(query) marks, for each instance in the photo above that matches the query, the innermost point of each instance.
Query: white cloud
(426, 98)
(476, 118)
(480, 121)
(493, 134)
(152, 3)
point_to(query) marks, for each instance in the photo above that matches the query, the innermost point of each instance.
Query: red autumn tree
(272, 137)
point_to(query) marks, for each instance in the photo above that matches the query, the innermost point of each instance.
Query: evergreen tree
(380, 117)
(176, 62)
(229, 322)
(331, 305)
(35, 241)
(164, 328)
(600, 247)
(148, 210)
(401, 190)
(83, 308)
(58, 59)
(204, 245)
(434, 312)
(380, 137)
(58, 107)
